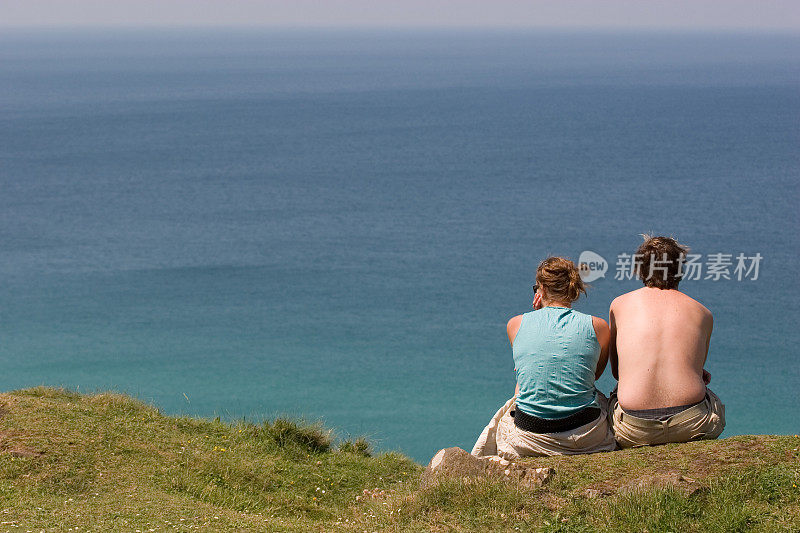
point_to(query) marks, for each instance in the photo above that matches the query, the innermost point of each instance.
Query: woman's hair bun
(560, 278)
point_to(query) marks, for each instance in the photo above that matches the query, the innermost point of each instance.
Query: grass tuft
(360, 446)
(287, 432)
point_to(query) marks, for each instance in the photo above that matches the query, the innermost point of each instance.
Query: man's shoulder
(623, 299)
(643, 296)
(694, 303)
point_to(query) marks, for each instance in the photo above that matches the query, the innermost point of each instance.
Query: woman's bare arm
(603, 334)
(512, 329)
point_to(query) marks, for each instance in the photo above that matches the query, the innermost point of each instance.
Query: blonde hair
(560, 278)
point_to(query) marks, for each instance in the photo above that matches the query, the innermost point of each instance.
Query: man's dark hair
(659, 262)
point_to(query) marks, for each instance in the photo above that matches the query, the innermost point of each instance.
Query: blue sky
(670, 14)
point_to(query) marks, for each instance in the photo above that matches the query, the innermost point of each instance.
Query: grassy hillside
(107, 462)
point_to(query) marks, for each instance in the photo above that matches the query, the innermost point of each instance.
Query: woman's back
(556, 352)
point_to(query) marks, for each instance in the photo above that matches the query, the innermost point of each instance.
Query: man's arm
(603, 334)
(709, 327)
(612, 343)
(706, 373)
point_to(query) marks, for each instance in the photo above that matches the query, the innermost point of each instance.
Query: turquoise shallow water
(338, 224)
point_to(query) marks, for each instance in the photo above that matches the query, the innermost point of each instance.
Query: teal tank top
(555, 357)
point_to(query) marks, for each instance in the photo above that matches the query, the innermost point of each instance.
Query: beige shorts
(501, 437)
(705, 420)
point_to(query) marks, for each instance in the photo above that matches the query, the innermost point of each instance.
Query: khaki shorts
(705, 420)
(501, 437)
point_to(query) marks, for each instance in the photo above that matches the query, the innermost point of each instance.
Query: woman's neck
(555, 304)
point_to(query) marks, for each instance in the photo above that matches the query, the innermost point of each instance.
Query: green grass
(107, 462)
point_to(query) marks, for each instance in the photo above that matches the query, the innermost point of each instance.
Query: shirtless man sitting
(659, 344)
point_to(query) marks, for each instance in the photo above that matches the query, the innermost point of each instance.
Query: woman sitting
(558, 354)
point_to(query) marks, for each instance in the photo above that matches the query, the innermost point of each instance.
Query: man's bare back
(659, 343)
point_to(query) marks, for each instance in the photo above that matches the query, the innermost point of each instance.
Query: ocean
(337, 224)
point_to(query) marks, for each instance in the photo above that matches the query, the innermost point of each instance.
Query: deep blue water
(338, 224)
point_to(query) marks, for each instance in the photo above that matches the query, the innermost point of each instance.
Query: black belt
(534, 424)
